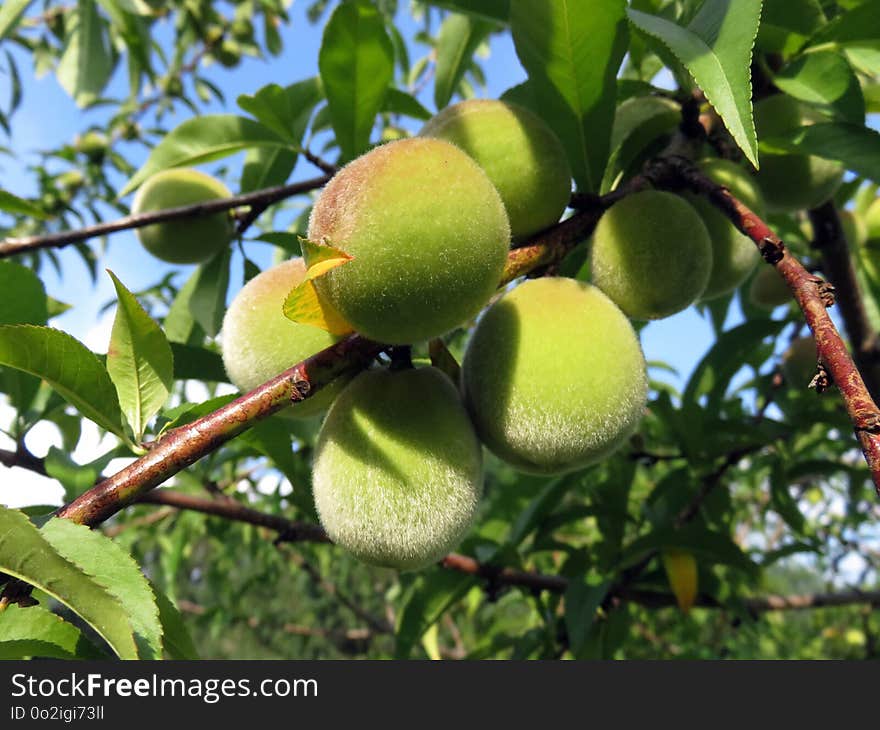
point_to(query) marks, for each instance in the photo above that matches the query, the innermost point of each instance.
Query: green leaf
(179, 324)
(75, 478)
(609, 499)
(582, 600)
(208, 300)
(189, 412)
(572, 57)
(86, 64)
(288, 241)
(68, 366)
(55, 307)
(457, 40)
(135, 32)
(37, 632)
(266, 167)
(427, 600)
(22, 295)
(400, 102)
(782, 501)
(203, 139)
(197, 363)
(113, 568)
(545, 501)
(13, 204)
(176, 639)
(11, 13)
(498, 10)
(638, 123)
(856, 146)
(787, 24)
(729, 353)
(824, 77)
(286, 111)
(712, 546)
(139, 361)
(716, 48)
(27, 555)
(858, 26)
(357, 65)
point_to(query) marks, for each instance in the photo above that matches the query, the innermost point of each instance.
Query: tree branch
(812, 294)
(829, 239)
(186, 445)
(259, 199)
(291, 531)
(183, 446)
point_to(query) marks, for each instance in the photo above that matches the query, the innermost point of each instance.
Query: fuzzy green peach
(799, 362)
(554, 376)
(398, 474)
(791, 181)
(734, 255)
(184, 240)
(768, 289)
(259, 342)
(522, 156)
(427, 233)
(651, 254)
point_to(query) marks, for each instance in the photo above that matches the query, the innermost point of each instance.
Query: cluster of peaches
(553, 376)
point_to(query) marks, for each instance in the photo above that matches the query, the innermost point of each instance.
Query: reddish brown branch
(812, 294)
(259, 199)
(230, 509)
(183, 446)
(187, 444)
(291, 531)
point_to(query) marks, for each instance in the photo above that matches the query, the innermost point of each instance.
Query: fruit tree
(454, 328)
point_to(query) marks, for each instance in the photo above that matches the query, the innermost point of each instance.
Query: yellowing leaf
(681, 570)
(303, 304)
(321, 257)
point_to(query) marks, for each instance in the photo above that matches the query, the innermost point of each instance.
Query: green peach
(554, 376)
(734, 255)
(428, 237)
(651, 254)
(259, 342)
(789, 181)
(799, 362)
(768, 289)
(185, 240)
(522, 156)
(397, 474)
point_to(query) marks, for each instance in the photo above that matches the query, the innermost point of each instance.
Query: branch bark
(291, 531)
(183, 446)
(259, 199)
(186, 445)
(812, 294)
(829, 239)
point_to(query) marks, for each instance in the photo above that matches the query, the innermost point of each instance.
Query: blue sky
(49, 117)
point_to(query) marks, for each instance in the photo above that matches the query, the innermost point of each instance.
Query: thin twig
(265, 197)
(291, 531)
